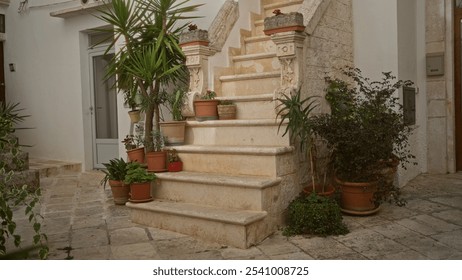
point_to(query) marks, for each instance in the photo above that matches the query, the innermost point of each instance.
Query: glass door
(104, 112)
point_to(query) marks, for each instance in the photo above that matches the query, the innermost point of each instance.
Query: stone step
(254, 107)
(250, 84)
(31, 178)
(271, 161)
(285, 7)
(237, 228)
(19, 162)
(256, 63)
(258, 44)
(258, 27)
(236, 133)
(234, 192)
(49, 168)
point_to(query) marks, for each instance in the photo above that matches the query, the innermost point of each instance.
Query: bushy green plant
(136, 173)
(366, 125)
(316, 215)
(209, 95)
(115, 170)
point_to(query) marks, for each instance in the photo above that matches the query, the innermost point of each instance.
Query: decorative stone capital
(194, 37)
(283, 23)
(197, 56)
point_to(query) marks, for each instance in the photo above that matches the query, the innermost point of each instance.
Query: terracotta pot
(136, 155)
(206, 110)
(140, 192)
(135, 116)
(226, 112)
(174, 132)
(175, 166)
(357, 198)
(120, 192)
(156, 161)
(328, 191)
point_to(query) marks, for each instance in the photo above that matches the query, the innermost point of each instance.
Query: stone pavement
(82, 222)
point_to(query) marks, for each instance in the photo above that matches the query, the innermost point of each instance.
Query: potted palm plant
(140, 181)
(150, 56)
(368, 137)
(115, 173)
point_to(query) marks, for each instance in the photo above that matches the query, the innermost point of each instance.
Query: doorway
(103, 110)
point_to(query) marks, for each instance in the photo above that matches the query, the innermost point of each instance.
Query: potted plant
(150, 56)
(296, 112)
(140, 181)
(368, 137)
(226, 110)
(135, 151)
(115, 173)
(316, 215)
(157, 158)
(206, 107)
(174, 162)
(174, 131)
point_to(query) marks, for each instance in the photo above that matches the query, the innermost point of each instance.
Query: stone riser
(236, 133)
(268, 162)
(234, 192)
(235, 228)
(244, 85)
(7, 158)
(258, 45)
(31, 178)
(256, 64)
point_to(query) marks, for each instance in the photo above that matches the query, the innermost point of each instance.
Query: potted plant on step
(115, 173)
(368, 137)
(296, 111)
(157, 158)
(174, 162)
(135, 151)
(174, 131)
(226, 110)
(140, 181)
(206, 108)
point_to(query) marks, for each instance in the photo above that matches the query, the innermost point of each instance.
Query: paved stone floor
(80, 216)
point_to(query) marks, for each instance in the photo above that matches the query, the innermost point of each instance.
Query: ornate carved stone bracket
(286, 31)
(197, 53)
(289, 50)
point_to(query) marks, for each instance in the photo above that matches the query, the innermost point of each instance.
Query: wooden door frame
(2, 74)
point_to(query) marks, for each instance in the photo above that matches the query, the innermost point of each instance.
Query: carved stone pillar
(287, 32)
(195, 45)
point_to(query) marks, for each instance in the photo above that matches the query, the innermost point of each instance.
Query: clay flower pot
(175, 166)
(140, 192)
(206, 110)
(357, 198)
(136, 155)
(120, 192)
(156, 161)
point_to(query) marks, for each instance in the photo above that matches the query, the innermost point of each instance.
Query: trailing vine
(14, 196)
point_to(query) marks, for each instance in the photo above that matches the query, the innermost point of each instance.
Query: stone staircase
(239, 175)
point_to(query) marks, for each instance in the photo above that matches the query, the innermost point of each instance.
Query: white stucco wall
(390, 36)
(51, 80)
(47, 80)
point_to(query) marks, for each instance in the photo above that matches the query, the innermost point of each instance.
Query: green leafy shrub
(136, 173)
(116, 170)
(316, 215)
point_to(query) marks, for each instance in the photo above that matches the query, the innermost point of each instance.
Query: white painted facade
(52, 81)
